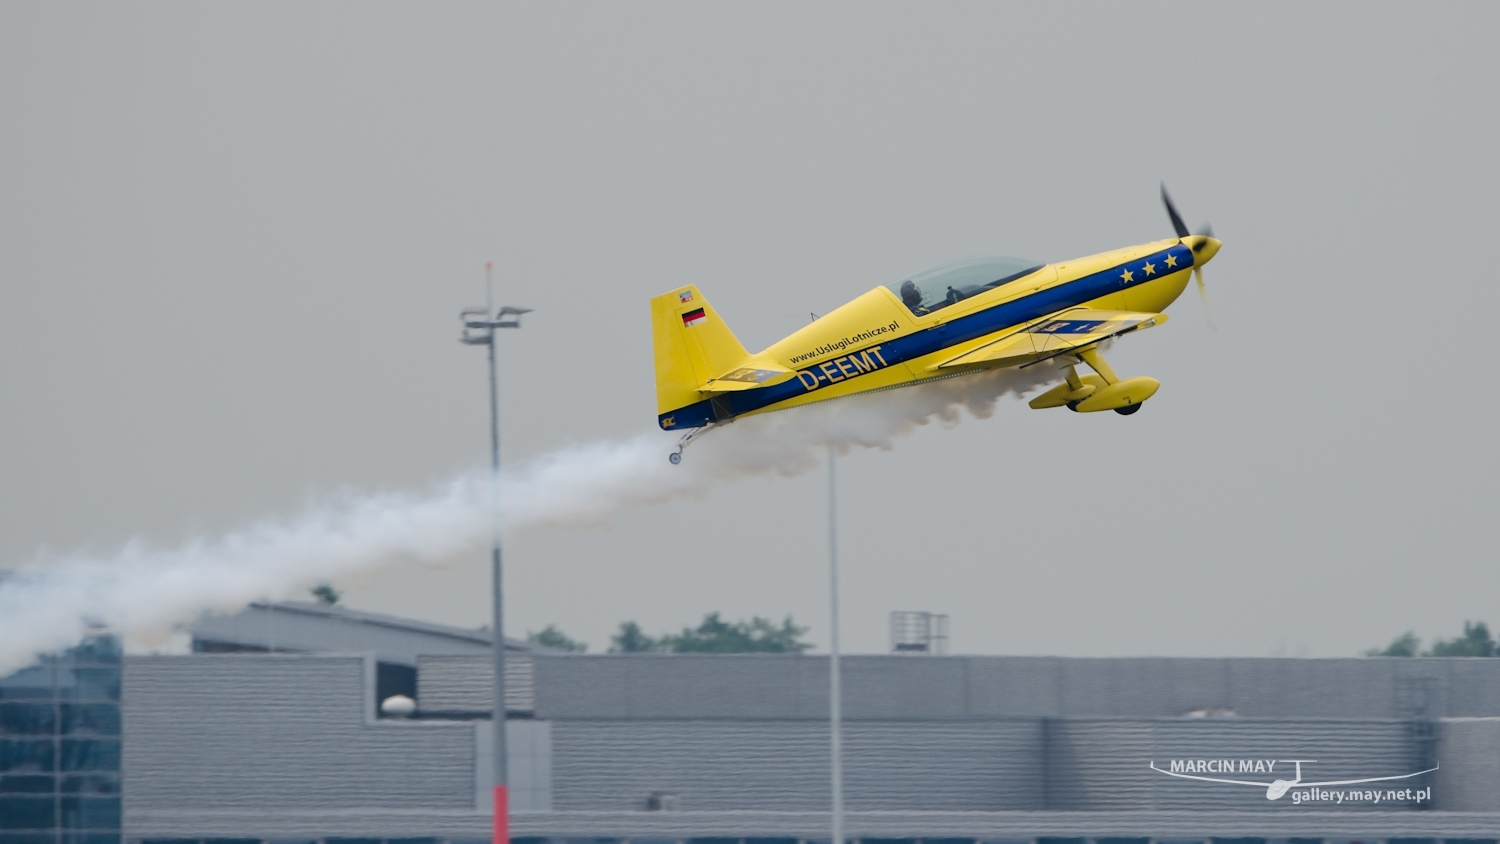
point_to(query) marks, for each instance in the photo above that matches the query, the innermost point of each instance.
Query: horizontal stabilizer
(747, 378)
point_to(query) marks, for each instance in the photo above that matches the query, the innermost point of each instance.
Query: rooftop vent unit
(923, 633)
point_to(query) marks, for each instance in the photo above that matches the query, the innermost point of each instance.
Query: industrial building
(260, 742)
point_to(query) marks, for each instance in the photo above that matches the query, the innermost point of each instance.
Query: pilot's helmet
(910, 294)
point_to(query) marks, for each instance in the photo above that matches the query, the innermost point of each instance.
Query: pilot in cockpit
(912, 297)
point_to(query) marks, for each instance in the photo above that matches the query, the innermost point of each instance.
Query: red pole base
(502, 815)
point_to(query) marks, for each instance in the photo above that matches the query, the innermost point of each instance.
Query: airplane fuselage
(876, 341)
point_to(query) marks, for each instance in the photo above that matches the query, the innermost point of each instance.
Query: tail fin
(692, 345)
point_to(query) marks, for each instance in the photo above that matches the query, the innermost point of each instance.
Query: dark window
(1227, 840)
(1407, 841)
(34, 784)
(27, 684)
(169, 841)
(342, 841)
(27, 813)
(1137, 840)
(89, 683)
(971, 841)
(1061, 841)
(393, 679)
(91, 719)
(413, 841)
(90, 755)
(91, 784)
(26, 838)
(73, 836)
(27, 719)
(794, 841)
(24, 756)
(91, 812)
(102, 649)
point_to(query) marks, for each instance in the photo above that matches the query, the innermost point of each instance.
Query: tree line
(713, 635)
(1476, 641)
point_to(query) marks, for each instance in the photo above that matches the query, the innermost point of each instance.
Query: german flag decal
(692, 318)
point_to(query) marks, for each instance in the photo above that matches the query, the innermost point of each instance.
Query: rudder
(692, 344)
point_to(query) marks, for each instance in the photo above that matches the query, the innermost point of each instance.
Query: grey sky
(236, 238)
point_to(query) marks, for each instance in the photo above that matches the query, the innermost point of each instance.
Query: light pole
(479, 330)
(835, 686)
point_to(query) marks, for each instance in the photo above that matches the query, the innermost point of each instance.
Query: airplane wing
(746, 378)
(1055, 334)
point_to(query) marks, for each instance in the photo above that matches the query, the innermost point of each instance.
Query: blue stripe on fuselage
(938, 337)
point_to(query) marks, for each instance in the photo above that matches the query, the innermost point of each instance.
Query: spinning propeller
(1201, 243)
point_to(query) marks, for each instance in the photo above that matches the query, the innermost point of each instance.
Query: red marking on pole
(502, 815)
(489, 264)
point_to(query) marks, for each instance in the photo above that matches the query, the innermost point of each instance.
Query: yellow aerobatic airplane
(961, 317)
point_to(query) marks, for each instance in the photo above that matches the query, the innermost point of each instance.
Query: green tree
(1476, 641)
(759, 635)
(551, 637)
(326, 594)
(632, 640)
(1407, 644)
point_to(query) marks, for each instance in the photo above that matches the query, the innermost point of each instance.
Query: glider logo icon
(1193, 769)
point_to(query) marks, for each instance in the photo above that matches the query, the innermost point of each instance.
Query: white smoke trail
(50, 604)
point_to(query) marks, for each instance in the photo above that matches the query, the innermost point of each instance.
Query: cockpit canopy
(945, 284)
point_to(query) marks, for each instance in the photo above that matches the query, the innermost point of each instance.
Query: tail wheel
(675, 457)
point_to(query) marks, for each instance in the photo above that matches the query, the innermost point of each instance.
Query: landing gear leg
(676, 457)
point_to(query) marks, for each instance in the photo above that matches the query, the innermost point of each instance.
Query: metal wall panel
(740, 764)
(937, 688)
(280, 732)
(1472, 688)
(1103, 764)
(1097, 765)
(1469, 752)
(451, 683)
(528, 764)
(682, 686)
(286, 746)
